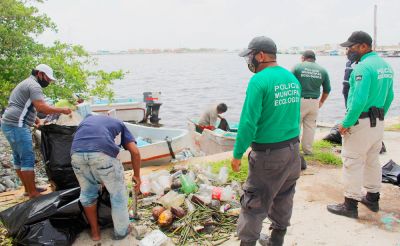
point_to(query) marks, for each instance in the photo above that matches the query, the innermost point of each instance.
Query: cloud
(124, 24)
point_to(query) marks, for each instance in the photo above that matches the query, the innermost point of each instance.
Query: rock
(8, 183)
(139, 231)
(2, 188)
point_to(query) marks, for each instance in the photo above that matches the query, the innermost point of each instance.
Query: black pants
(269, 190)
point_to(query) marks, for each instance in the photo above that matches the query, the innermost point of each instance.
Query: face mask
(252, 63)
(353, 56)
(42, 82)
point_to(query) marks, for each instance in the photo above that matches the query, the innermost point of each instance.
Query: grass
(323, 154)
(4, 240)
(239, 176)
(394, 127)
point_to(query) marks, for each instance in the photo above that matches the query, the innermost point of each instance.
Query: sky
(224, 24)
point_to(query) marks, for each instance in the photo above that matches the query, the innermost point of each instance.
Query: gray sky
(230, 24)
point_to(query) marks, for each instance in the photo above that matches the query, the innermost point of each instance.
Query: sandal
(38, 189)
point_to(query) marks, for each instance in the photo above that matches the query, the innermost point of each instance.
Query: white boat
(211, 142)
(125, 109)
(153, 145)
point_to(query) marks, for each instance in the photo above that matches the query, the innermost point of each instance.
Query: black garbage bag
(334, 136)
(391, 173)
(41, 208)
(56, 144)
(104, 210)
(53, 219)
(223, 125)
(50, 232)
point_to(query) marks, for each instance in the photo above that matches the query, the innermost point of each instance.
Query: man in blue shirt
(94, 151)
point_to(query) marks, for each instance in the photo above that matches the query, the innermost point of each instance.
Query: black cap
(358, 37)
(261, 44)
(309, 54)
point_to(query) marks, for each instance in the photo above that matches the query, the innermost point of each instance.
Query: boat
(125, 109)
(211, 141)
(156, 145)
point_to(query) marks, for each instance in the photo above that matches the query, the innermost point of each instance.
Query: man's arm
(360, 92)
(43, 107)
(251, 113)
(389, 99)
(135, 160)
(326, 89)
(323, 98)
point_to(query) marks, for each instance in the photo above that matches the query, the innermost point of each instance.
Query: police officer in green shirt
(312, 77)
(370, 96)
(270, 122)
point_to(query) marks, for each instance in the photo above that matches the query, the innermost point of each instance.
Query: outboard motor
(152, 106)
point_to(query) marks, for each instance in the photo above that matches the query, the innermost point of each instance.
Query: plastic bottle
(189, 205)
(188, 184)
(210, 175)
(223, 175)
(227, 194)
(172, 199)
(223, 194)
(149, 200)
(165, 181)
(145, 185)
(176, 174)
(156, 188)
(205, 193)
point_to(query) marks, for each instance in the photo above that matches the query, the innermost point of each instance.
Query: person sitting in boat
(209, 118)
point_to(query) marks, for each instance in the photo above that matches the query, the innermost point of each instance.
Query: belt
(373, 114)
(274, 146)
(310, 97)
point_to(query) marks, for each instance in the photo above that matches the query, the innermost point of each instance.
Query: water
(191, 82)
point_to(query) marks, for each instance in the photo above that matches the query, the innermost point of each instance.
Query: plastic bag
(334, 136)
(56, 144)
(391, 173)
(53, 219)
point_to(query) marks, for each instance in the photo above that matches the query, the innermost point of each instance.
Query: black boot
(276, 238)
(349, 208)
(383, 149)
(371, 201)
(303, 163)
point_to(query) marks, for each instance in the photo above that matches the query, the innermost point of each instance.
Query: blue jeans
(94, 168)
(20, 139)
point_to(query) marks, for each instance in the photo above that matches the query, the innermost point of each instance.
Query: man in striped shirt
(25, 100)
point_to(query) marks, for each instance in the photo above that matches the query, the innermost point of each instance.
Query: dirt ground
(311, 223)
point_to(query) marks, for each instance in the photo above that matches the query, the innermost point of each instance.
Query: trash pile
(189, 205)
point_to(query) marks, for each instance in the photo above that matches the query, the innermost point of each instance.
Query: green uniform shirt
(271, 110)
(311, 77)
(371, 84)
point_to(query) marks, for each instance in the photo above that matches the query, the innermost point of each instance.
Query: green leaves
(20, 23)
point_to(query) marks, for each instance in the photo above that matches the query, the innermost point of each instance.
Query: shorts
(20, 139)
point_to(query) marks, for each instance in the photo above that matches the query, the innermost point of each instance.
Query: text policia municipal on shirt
(286, 93)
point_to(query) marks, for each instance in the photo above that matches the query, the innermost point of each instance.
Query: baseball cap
(357, 37)
(46, 69)
(309, 54)
(260, 43)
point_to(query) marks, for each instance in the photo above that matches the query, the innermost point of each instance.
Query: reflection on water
(191, 82)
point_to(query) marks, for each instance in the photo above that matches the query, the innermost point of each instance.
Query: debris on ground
(188, 205)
